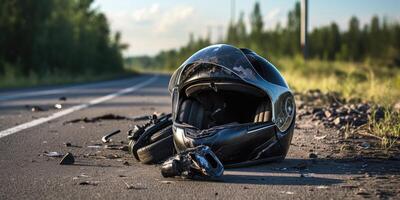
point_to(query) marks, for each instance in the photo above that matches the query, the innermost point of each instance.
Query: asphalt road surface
(26, 173)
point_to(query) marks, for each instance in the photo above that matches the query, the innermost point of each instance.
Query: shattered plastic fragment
(68, 159)
(53, 154)
(198, 161)
(320, 137)
(94, 146)
(107, 137)
(57, 106)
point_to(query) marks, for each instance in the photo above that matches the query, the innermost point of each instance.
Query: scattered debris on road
(35, 108)
(63, 98)
(133, 187)
(115, 117)
(57, 106)
(97, 119)
(42, 108)
(107, 137)
(167, 182)
(95, 146)
(68, 159)
(92, 183)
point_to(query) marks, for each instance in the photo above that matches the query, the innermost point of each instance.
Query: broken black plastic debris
(62, 98)
(92, 183)
(107, 137)
(153, 117)
(35, 108)
(141, 137)
(68, 159)
(194, 162)
(97, 119)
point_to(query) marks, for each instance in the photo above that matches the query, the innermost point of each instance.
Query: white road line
(75, 108)
(24, 94)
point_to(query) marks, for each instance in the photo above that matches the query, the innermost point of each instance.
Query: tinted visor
(232, 61)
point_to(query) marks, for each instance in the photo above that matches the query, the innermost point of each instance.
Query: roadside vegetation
(354, 81)
(53, 41)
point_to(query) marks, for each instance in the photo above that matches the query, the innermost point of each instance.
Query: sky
(151, 26)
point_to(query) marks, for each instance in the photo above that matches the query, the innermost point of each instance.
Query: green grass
(378, 84)
(388, 128)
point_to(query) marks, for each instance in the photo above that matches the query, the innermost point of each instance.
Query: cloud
(145, 14)
(152, 28)
(173, 17)
(273, 17)
(273, 14)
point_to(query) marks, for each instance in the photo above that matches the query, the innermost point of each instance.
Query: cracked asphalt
(26, 173)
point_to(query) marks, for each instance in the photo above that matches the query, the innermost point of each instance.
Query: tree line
(377, 42)
(47, 37)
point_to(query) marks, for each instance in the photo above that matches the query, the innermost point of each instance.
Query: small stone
(359, 121)
(328, 113)
(379, 113)
(126, 163)
(316, 110)
(365, 145)
(362, 107)
(338, 121)
(68, 144)
(319, 115)
(312, 155)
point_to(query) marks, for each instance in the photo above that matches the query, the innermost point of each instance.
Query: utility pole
(304, 27)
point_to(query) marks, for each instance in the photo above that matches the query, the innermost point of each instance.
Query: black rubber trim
(144, 139)
(157, 151)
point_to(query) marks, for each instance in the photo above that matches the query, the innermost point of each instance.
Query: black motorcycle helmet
(233, 101)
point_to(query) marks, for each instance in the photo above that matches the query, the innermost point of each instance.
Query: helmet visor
(228, 57)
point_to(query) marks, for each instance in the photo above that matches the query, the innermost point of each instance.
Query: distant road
(27, 174)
